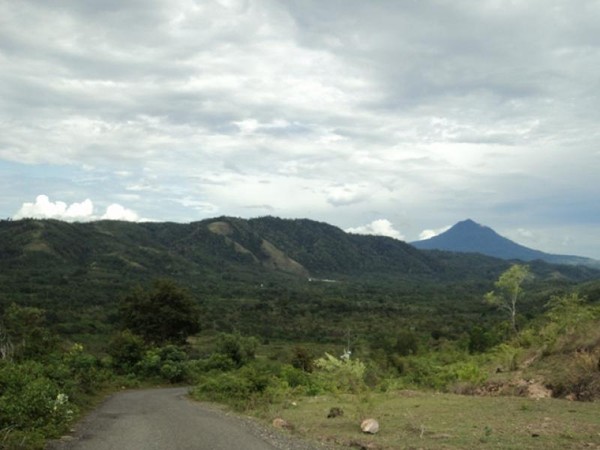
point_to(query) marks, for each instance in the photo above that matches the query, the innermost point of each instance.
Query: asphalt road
(161, 419)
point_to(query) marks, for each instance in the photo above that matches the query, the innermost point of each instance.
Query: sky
(392, 117)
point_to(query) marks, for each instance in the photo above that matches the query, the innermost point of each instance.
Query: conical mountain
(470, 237)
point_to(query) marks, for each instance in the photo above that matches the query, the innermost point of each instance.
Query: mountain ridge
(296, 247)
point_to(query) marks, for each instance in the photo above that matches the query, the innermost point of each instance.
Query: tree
(163, 314)
(302, 359)
(24, 335)
(508, 291)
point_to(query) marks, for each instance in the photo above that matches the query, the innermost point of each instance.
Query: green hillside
(246, 271)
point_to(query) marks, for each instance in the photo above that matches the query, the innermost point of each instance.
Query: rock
(335, 412)
(369, 426)
(281, 423)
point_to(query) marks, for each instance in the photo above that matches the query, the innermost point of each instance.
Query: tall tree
(509, 290)
(165, 313)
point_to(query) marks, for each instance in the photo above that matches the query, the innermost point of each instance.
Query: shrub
(30, 401)
(241, 350)
(294, 376)
(253, 386)
(302, 359)
(168, 363)
(85, 370)
(582, 380)
(341, 374)
(126, 350)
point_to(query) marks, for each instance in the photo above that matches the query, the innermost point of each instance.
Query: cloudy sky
(391, 117)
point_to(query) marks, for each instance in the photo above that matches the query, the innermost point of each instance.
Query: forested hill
(265, 246)
(263, 276)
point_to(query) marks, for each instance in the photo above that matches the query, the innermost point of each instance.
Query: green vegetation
(162, 315)
(509, 287)
(86, 308)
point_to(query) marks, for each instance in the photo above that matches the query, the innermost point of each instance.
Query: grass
(423, 420)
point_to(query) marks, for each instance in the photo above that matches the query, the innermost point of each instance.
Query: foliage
(77, 268)
(168, 363)
(506, 357)
(126, 350)
(250, 387)
(570, 339)
(582, 378)
(164, 314)
(238, 349)
(25, 333)
(481, 339)
(341, 374)
(32, 400)
(509, 291)
(86, 372)
(302, 359)
(567, 312)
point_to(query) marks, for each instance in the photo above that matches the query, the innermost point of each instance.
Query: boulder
(370, 426)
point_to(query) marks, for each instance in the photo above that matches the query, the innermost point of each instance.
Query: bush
(250, 387)
(30, 401)
(216, 362)
(241, 350)
(582, 380)
(341, 375)
(126, 350)
(295, 377)
(168, 363)
(302, 359)
(85, 370)
(25, 329)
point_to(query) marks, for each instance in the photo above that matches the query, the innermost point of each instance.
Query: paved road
(160, 419)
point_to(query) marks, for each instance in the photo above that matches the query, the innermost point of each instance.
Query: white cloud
(44, 208)
(118, 212)
(380, 227)
(346, 194)
(428, 234)
(80, 210)
(528, 234)
(251, 126)
(198, 205)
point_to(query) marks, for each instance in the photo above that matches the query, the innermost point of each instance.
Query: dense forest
(302, 279)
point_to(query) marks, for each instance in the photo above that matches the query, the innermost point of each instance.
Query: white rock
(369, 426)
